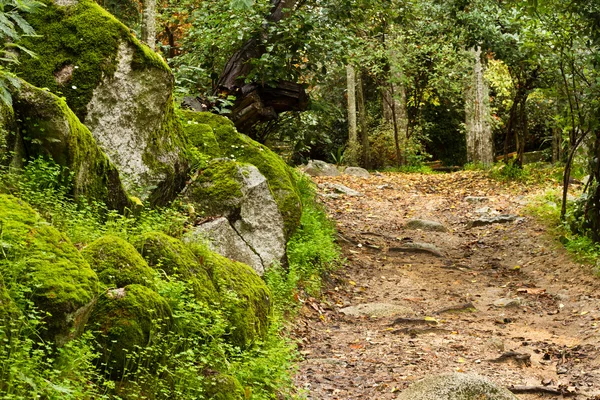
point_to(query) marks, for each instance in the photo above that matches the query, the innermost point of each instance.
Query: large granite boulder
(252, 230)
(455, 386)
(119, 88)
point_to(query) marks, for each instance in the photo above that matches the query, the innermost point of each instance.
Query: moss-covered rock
(165, 253)
(125, 321)
(224, 387)
(40, 259)
(240, 147)
(241, 194)
(48, 128)
(117, 263)
(119, 88)
(245, 297)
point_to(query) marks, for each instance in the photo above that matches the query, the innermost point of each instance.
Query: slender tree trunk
(351, 84)
(592, 211)
(362, 118)
(556, 145)
(149, 23)
(480, 145)
(522, 133)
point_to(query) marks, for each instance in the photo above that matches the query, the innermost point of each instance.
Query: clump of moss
(241, 148)
(117, 263)
(125, 321)
(84, 38)
(50, 129)
(40, 258)
(172, 256)
(224, 387)
(217, 188)
(246, 299)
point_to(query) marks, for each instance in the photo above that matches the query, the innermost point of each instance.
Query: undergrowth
(546, 208)
(184, 362)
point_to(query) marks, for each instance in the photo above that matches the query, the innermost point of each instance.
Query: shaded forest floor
(500, 300)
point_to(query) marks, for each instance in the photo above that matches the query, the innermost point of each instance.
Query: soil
(493, 290)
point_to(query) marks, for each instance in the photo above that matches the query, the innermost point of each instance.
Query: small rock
(377, 310)
(426, 225)
(455, 386)
(418, 247)
(483, 210)
(483, 221)
(357, 171)
(386, 186)
(476, 199)
(345, 190)
(321, 168)
(507, 303)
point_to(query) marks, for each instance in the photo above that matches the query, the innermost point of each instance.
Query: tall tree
(480, 144)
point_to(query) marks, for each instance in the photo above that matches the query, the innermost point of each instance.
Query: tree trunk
(592, 211)
(556, 145)
(480, 145)
(522, 133)
(256, 102)
(351, 84)
(362, 118)
(149, 23)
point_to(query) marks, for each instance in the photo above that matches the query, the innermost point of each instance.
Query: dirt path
(552, 319)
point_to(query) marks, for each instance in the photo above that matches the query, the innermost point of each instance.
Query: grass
(188, 355)
(546, 209)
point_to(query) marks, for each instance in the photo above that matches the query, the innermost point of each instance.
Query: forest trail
(492, 290)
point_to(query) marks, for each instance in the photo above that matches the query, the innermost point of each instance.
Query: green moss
(125, 321)
(241, 148)
(217, 187)
(172, 256)
(199, 135)
(50, 129)
(83, 36)
(245, 297)
(117, 263)
(38, 257)
(224, 387)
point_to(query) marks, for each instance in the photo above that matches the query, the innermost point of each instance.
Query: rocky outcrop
(241, 194)
(455, 386)
(120, 89)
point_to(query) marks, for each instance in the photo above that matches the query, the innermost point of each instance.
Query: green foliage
(312, 253)
(569, 232)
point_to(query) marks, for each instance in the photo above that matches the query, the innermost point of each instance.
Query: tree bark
(256, 102)
(362, 118)
(351, 86)
(149, 23)
(480, 145)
